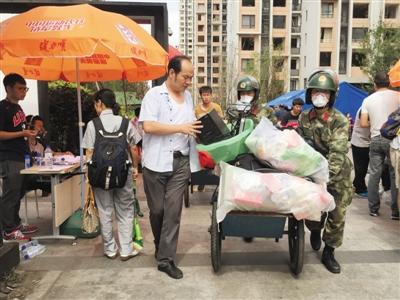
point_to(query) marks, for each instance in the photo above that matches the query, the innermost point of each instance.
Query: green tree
(380, 48)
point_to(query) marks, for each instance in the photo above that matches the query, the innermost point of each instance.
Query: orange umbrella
(394, 75)
(51, 38)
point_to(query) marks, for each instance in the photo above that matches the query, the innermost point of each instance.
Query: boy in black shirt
(13, 148)
(290, 118)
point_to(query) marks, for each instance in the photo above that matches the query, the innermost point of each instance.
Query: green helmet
(248, 83)
(323, 79)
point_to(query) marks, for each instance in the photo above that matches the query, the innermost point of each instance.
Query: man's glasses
(23, 88)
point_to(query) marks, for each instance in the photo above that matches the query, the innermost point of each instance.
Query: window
(278, 63)
(247, 43)
(200, 79)
(293, 84)
(215, 39)
(201, 6)
(215, 49)
(360, 10)
(215, 27)
(215, 80)
(199, 17)
(215, 6)
(278, 43)
(279, 22)
(200, 69)
(200, 39)
(357, 59)
(248, 21)
(200, 28)
(215, 18)
(201, 59)
(326, 35)
(295, 43)
(327, 10)
(247, 64)
(391, 11)
(215, 59)
(215, 70)
(248, 3)
(359, 34)
(279, 3)
(324, 59)
(293, 64)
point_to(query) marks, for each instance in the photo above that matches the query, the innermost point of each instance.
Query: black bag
(214, 129)
(390, 129)
(109, 166)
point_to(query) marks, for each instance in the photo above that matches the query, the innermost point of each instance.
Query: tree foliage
(381, 49)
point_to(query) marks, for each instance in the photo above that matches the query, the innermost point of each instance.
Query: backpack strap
(98, 125)
(124, 125)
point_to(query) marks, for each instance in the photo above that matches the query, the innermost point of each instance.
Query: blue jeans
(378, 152)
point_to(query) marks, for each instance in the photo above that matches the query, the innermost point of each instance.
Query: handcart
(250, 224)
(203, 177)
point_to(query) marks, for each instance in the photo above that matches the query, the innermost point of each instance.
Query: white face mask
(246, 99)
(320, 100)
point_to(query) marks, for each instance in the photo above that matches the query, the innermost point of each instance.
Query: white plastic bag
(287, 151)
(240, 189)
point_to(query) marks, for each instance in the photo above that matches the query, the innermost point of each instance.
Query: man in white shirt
(169, 156)
(374, 112)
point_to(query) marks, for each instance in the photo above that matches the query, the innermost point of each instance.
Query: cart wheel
(186, 197)
(215, 241)
(296, 245)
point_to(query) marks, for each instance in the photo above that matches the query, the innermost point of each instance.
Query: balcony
(294, 72)
(295, 51)
(295, 29)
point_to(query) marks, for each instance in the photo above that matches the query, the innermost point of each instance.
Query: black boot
(315, 239)
(329, 261)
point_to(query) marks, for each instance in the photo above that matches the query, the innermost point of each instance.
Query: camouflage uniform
(327, 132)
(266, 112)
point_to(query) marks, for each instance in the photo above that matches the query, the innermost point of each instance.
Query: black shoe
(171, 270)
(329, 261)
(315, 239)
(248, 239)
(374, 214)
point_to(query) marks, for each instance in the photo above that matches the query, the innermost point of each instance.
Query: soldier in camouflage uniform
(326, 129)
(248, 90)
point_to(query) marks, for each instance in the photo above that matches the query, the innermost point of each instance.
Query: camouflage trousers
(333, 222)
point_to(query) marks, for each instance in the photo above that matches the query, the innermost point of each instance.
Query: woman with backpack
(109, 141)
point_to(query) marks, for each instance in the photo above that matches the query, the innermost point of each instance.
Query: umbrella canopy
(348, 100)
(394, 75)
(172, 52)
(44, 43)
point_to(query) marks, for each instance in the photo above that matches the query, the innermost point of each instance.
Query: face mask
(246, 99)
(319, 100)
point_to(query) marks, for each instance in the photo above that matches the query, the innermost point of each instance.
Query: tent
(348, 100)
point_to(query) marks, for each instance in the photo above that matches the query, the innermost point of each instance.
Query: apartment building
(303, 34)
(204, 40)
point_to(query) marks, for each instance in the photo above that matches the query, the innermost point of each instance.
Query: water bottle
(48, 156)
(27, 245)
(27, 161)
(33, 251)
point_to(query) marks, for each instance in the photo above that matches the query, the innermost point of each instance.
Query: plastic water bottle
(48, 156)
(28, 244)
(33, 251)
(27, 161)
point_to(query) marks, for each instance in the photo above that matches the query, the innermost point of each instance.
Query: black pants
(12, 190)
(361, 161)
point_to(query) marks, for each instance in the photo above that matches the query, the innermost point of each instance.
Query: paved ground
(370, 258)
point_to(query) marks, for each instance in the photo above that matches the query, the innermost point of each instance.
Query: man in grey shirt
(169, 155)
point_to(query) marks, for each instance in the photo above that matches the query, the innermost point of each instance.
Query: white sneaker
(127, 257)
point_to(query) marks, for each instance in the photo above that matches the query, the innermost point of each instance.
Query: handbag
(90, 216)
(390, 129)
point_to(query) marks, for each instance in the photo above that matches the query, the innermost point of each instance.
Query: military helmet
(248, 83)
(323, 79)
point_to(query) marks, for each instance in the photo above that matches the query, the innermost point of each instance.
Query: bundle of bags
(245, 190)
(287, 151)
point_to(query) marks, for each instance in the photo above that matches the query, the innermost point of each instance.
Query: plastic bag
(240, 189)
(287, 151)
(90, 216)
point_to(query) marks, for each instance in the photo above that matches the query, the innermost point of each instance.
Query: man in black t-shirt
(13, 148)
(290, 118)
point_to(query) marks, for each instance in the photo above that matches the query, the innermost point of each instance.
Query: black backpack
(109, 166)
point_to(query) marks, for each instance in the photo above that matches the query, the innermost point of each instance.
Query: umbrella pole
(80, 125)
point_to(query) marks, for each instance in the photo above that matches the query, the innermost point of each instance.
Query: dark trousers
(164, 193)
(361, 162)
(12, 190)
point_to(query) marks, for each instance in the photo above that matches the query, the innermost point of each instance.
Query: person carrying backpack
(109, 142)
